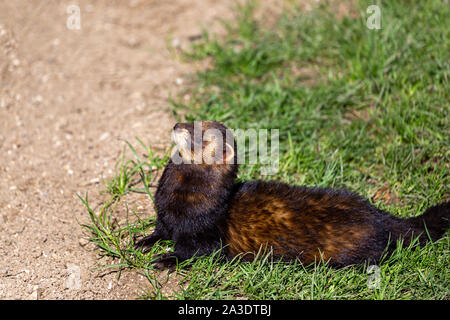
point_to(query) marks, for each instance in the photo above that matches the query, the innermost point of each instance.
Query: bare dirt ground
(68, 100)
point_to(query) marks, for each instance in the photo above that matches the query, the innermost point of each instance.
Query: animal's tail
(433, 223)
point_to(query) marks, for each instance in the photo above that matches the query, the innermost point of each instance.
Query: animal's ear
(229, 153)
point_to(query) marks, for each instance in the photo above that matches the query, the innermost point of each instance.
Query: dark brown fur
(202, 209)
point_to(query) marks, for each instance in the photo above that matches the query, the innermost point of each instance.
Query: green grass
(361, 109)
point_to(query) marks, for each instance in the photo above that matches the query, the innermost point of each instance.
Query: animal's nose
(177, 126)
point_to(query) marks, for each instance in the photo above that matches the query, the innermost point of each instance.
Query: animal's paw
(146, 243)
(166, 261)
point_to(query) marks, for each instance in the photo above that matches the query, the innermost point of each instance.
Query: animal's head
(206, 142)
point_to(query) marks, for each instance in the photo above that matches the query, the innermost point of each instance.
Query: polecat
(201, 208)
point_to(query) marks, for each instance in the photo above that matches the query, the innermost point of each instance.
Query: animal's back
(306, 223)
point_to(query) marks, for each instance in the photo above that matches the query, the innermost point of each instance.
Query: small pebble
(175, 43)
(83, 242)
(104, 136)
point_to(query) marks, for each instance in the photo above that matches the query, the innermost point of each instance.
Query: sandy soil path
(68, 99)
